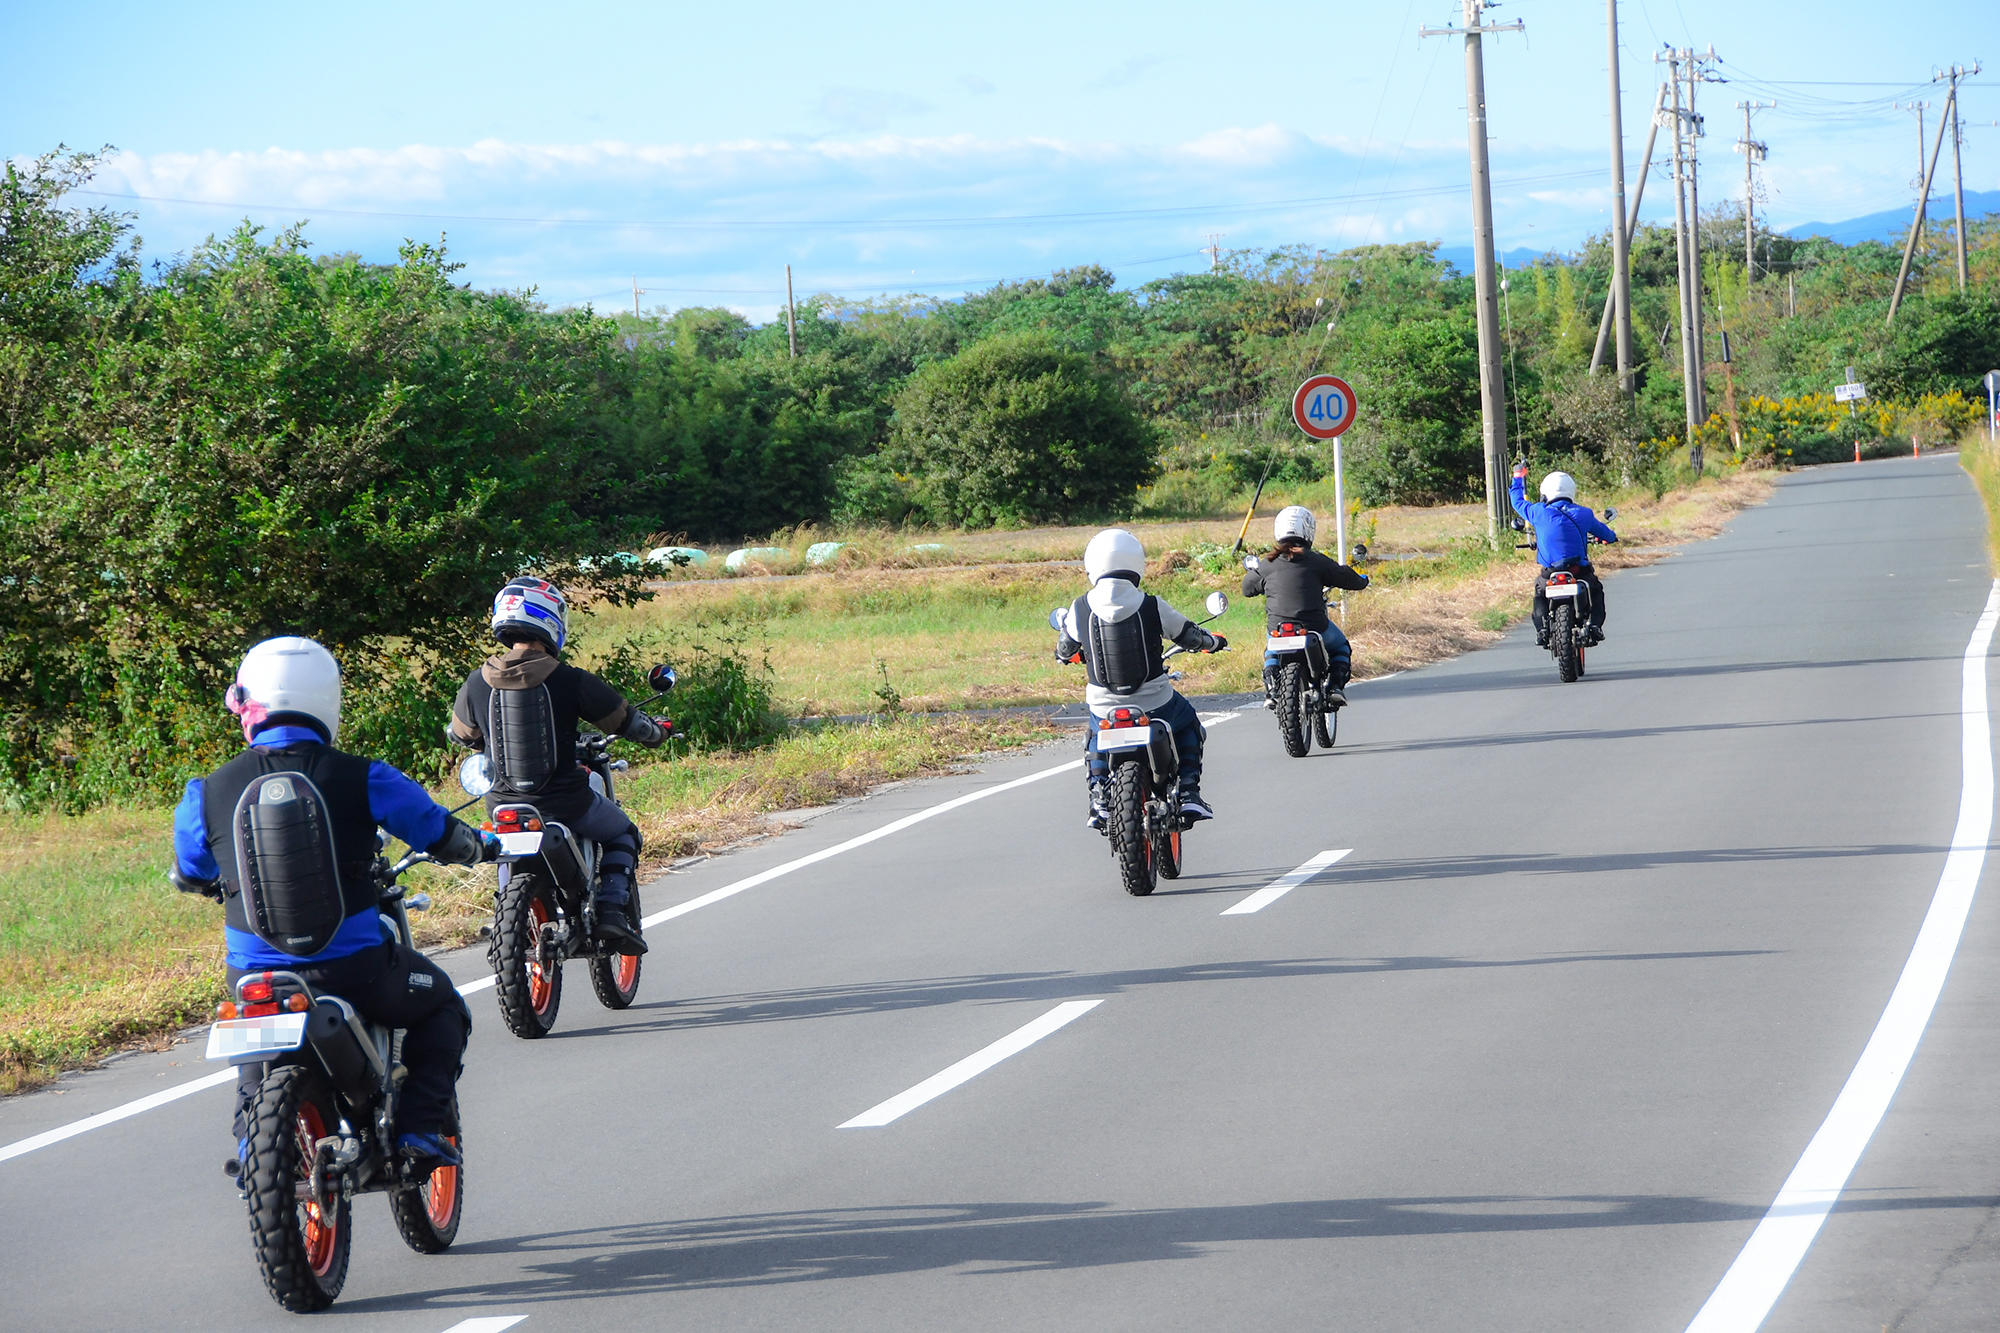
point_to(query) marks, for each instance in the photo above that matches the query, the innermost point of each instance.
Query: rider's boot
(1193, 807)
(429, 1151)
(1594, 635)
(1100, 804)
(1336, 697)
(614, 925)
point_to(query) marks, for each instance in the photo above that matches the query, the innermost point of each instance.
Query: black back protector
(293, 835)
(1122, 655)
(521, 738)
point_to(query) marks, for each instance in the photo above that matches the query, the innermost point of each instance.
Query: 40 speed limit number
(1323, 406)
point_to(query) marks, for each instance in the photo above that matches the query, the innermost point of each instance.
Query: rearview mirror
(1611, 512)
(661, 678)
(1218, 602)
(1055, 619)
(1249, 562)
(1360, 552)
(475, 775)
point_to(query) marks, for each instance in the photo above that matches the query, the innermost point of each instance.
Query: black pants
(404, 989)
(598, 818)
(1589, 577)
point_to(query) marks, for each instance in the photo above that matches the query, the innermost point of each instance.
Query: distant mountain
(1460, 257)
(1894, 223)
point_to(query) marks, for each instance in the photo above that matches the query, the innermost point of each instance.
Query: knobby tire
(1326, 723)
(1292, 708)
(301, 1252)
(529, 996)
(427, 1216)
(1137, 869)
(1563, 634)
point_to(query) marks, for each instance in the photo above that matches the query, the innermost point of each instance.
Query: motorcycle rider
(522, 706)
(1115, 631)
(283, 836)
(1562, 527)
(1293, 578)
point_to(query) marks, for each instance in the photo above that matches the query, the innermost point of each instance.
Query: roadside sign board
(1848, 393)
(1993, 381)
(1323, 406)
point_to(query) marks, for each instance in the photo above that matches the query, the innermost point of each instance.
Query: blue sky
(898, 146)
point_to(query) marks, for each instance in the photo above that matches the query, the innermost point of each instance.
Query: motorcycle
(545, 905)
(323, 1122)
(1568, 616)
(1304, 676)
(1145, 797)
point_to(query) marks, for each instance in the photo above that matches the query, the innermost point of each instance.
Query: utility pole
(1923, 199)
(1753, 153)
(1955, 73)
(637, 292)
(791, 316)
(1214, 248)
(1690, 372)
(1696, 73)
(1492, 398)
(1621, 247)
(1631, 230)
(1916, 181)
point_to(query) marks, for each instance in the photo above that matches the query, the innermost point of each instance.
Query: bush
(1016, 430)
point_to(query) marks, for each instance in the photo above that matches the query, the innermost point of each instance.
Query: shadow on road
(1358, 872)
(995, 1239)
(1010, 987)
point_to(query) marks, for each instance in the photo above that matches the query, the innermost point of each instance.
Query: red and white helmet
(289, 679)
(531, 607)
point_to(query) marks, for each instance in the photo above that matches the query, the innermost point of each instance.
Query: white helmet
(1294, 521)
(1559, 484)
(288, 679)
(1114, 551)
(533, 607)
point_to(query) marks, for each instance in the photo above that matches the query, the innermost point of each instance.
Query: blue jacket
(1560, 527)
(397, 803)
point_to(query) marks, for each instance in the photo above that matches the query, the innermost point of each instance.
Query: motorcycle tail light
(256, 992)
(225, 1011)
(507, 821)
(533, 825)
(1141, 720)
(487, 824)
(297, 1002)
(1104, 724)
(1123, 714)
(259, 1010)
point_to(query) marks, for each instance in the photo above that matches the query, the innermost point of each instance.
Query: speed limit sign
(1323, 406)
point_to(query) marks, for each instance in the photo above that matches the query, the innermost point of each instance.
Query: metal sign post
(1323, 407)
(1992, 409)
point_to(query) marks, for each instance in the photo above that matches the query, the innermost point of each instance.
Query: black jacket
(573, 694)
(1294, 587)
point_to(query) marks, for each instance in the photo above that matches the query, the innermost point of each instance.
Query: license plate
(1124, 738)
(240, 1039)
(1562, 589)
(520, 844)
(1285, 643)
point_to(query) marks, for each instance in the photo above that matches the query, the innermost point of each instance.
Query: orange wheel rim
(539, 986)
(627, 971)
(317, 1229)
(441, 1193)
(1174, 841)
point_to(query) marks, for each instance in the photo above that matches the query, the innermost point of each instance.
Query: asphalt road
(1537, 1053)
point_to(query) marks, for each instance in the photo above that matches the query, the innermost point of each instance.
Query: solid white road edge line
(1744, 1297)
(1285, 883)
(971, 1066)
(492, 1323)
(473, 987)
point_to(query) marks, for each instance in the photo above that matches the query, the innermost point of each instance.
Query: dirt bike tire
(1580, 652)
(1138, 869)
(1563, 634)
(529, 995)
(1292, 708)
(427, 1217)
(616, 978)
(301, 1253)
(1326, 726)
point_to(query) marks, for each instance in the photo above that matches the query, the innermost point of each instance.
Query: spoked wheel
(1167, 847)
(427, 1216)
(301, 1248)
(616, 978)
(1326, 725)
(1138, 868)
(1562, 633)
(1292, 708)
(529, 991)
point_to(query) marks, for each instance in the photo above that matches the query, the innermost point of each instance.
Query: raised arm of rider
(1253, 582)
(1185, 632)
(643, 729)
(1597, 528)
(463, 729)
(398, 804)
(1067, 644)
